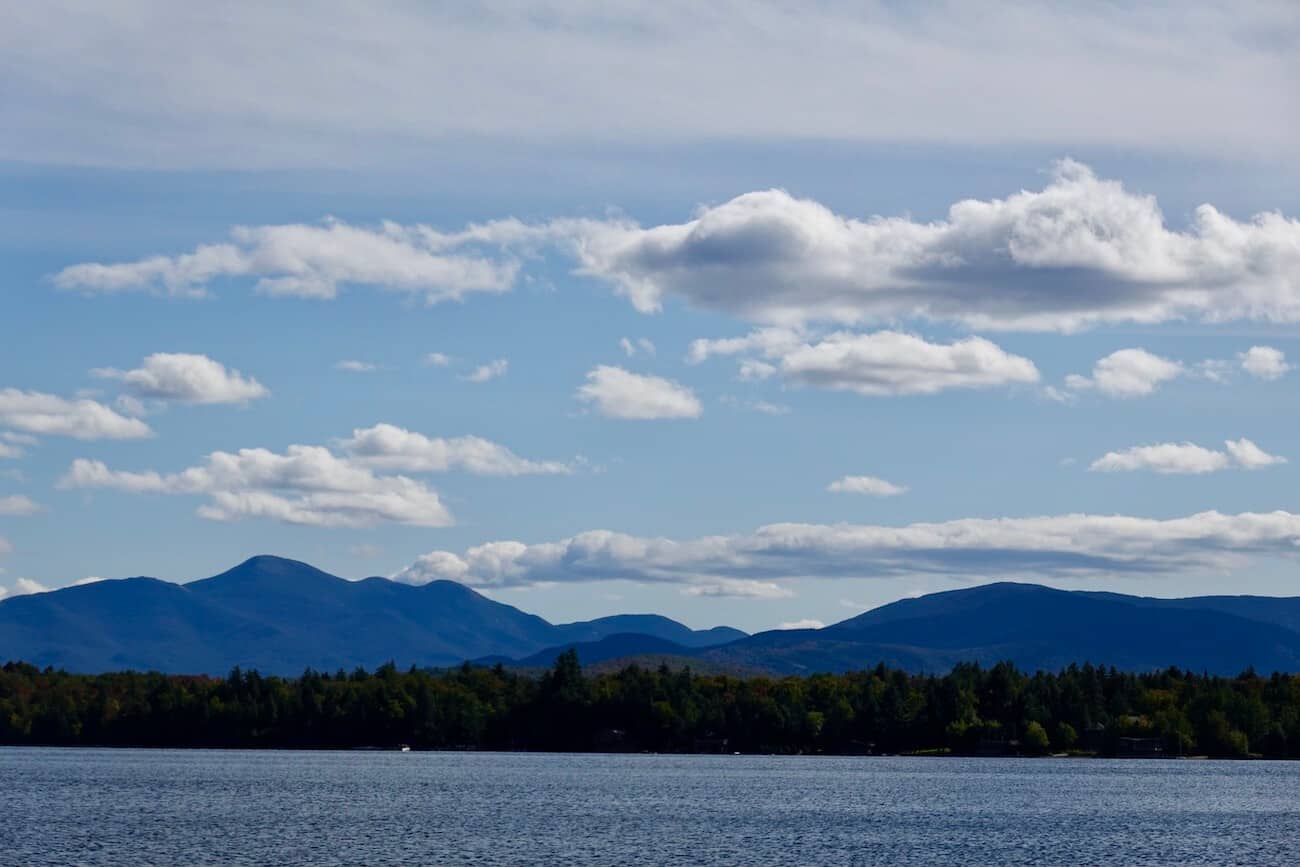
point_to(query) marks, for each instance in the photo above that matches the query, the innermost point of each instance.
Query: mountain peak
(271, 561)
(955, 602)
(269, 570)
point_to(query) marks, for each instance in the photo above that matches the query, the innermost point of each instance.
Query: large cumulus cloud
(1081, 251)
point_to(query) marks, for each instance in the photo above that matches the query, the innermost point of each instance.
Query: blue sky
(1082, 378)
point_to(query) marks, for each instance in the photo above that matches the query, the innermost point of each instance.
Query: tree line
(969, 710)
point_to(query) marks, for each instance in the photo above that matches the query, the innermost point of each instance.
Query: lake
(172, 807)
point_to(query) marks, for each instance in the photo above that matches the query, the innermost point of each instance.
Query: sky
(760, 314)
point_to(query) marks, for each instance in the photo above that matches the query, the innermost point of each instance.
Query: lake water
(153, 807)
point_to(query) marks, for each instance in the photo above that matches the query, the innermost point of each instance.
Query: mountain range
(281, 616)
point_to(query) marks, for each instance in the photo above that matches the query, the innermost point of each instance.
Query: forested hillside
(971, 709)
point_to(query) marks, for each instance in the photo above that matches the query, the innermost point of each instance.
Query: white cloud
(1080, 252)
(618, 393)
(751, 369)
(875, 364)
(1186, 458)
(806, 623)
(1128, 373)
(489, 371)
(1215, 370)
(50, 415)
(351, 365)
(306, 485)
(738, 588)
(1163, 458)
(388, 447)
(129, 404)
(1137, 372)
(1250, 456)
(86, 473)
(187, 378)
(18, 505)
(437, 359)
(640, 345)
(763, 406)
(1264, 362)
(25, 586)
(593, 556)
(869, 485)
(1034, 547)
(768, 342)
(308, 261)
(889, 362)
(89, 579)
(243, 87)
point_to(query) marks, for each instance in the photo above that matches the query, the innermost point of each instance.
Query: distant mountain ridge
(1038, 628)
(281, 616)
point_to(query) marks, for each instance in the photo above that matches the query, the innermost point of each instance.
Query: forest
(971, 710)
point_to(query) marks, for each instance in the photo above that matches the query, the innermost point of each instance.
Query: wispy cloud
(388, 447)
(640, 346)
(1078, 545)
(1077, 74)
(869, 485)
(352, 365)
(487, 372)
(18, 505)
(806, 623)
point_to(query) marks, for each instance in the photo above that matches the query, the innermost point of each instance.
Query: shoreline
(739, 755)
